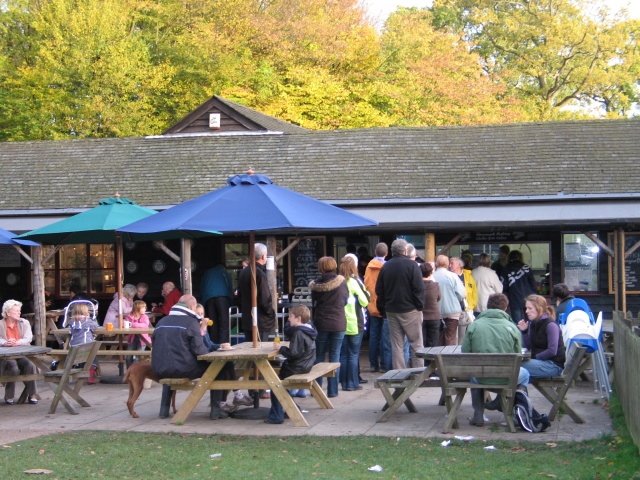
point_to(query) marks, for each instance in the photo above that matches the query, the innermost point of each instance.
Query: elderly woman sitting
(15, 331)
(128, 292)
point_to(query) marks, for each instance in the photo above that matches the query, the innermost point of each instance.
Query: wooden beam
(631, 250)
(284, 252)
(39, 307)
(429, 247)
(600, 243)
(453, 241)
(23, 253)
(51, 254)
(160, 244)
(185, 266)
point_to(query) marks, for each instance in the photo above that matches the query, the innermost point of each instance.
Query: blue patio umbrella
(10, 238)
(248, 203)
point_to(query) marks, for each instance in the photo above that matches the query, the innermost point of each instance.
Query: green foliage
(551, 55)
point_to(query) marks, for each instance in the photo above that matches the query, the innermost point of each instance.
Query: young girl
(82, 325)
(138, 319)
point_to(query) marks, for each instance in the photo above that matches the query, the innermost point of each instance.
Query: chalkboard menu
(631, 264)
(303, 260)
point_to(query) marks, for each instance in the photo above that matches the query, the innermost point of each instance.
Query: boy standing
(300, 355)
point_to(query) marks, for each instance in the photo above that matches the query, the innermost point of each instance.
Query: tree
(550, 54)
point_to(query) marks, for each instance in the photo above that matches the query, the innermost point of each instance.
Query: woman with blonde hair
(16, 331)
(354, 313)
(542, 336)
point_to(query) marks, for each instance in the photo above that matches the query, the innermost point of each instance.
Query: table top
(431, 352)
(242, 351)
(115, 331)
(23, 350)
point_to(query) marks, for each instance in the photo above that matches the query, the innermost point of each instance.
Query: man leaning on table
(171, 296)
(493, 331)
(177, 343)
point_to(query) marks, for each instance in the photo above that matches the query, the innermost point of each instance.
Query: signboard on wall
(303, 260)
(9, 256)
(631, 264)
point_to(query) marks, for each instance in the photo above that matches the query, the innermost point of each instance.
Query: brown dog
(135, 376)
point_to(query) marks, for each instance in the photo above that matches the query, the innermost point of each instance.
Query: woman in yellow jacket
(354, 311)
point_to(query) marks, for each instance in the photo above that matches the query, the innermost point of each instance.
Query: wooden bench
(404, 383)
(456, 370)
(84, 353)
(310, 381)
(102, 353)
(554, 389)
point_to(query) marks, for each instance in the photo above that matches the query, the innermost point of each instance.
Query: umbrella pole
(119, 277)
(254, 289)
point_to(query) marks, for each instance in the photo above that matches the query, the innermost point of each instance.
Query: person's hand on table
(225, 346)
(277, 345)
(11, 343)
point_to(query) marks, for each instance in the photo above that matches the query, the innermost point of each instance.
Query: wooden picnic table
(30, 352)
(119, 348)
(243, 352)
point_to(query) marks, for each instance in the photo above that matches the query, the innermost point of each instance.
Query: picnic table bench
(404, 383)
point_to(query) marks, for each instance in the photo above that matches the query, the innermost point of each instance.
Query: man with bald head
(177, 343)
(171, 296)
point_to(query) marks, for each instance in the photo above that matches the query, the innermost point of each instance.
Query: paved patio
(354, 413)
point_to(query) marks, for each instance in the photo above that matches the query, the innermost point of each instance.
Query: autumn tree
(550, 54)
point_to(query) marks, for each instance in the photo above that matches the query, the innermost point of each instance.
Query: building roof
(379, 167)
(233, 117)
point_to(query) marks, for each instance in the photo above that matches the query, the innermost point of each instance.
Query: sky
(380, 9)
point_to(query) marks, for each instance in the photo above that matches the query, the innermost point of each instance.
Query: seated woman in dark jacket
(300, 354)
(542, 336)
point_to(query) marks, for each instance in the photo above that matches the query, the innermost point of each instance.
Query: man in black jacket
(266, 314)
(400, 292)
(177, 343)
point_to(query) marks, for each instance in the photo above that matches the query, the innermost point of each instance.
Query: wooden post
(429, 247)
(39, 307)
(254, 289)
(185, 266)
(119, 276)
(272, 275)
(621, 286)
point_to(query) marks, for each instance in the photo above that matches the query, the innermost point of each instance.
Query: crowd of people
(403, 302)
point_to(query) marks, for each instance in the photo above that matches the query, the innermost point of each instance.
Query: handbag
(467, 316)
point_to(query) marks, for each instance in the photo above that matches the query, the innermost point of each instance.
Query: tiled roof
(390, 164)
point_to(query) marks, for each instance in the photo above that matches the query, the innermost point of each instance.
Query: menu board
(303, 260)
(631, 264)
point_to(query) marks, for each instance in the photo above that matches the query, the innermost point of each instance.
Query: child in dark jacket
(300, 355)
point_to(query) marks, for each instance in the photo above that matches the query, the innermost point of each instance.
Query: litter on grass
(490, 447)
(463, 439)
(215, 455)
(375, 468)
(446, 443)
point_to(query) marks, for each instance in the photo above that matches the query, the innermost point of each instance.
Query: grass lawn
(143, 456)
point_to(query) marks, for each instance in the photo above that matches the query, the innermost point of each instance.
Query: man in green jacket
(493, 331)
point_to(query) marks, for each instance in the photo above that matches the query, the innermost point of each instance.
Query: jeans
(541, 368)
(375, 342)
(349, 354)
(385, 347)
(431, 333)
(329, 343)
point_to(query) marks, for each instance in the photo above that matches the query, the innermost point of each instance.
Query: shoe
(476, 423)
(265, 395)
(494, 405)
(228, 407)
(9, 401)
(352, 389)
(332, 395)
(243, 401)
(362, 380)
(375, 370)
(92, 375)
(33, 401)
(266, 420)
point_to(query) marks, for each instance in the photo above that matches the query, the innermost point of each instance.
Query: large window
(91, 267)
(580, 267)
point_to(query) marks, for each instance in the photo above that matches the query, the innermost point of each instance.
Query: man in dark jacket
(266, 314)
(400, 292)
(177, 343)
(300, 354)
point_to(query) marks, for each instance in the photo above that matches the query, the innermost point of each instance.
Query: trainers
(242, 401)
(9, 401)
(92, 375)
(228, 407)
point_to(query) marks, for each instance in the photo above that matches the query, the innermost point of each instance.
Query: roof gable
(233, 118)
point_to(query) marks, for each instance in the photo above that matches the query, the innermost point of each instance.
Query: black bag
(527, 417)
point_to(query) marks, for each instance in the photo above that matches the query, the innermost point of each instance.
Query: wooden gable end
(230, 120)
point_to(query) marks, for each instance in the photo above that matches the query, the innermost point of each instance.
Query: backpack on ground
(527, 417)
